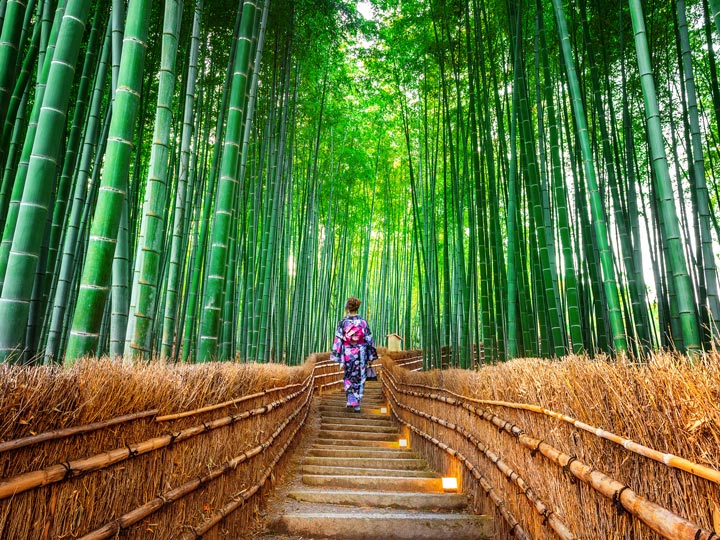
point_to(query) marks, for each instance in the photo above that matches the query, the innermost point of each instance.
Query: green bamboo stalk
(707, 257)
(171, 306)
(34, 206)
(148, 254)
(596, 202)
(677, 262)
(212, 305)
(9, 47)
(95, 281)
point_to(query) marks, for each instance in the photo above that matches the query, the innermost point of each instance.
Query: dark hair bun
(352, 304)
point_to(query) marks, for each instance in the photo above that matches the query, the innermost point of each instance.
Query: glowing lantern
(449, 483)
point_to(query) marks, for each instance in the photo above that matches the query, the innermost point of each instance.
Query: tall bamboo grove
(199, 181)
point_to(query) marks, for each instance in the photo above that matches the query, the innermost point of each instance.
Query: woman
(354, 349)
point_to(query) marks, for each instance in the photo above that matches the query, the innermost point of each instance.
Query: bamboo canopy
(536, 180)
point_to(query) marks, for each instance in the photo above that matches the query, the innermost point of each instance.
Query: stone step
(365, 415)
(357, 525)
(374, 419)
(359, 422)
(365, 412)
(358, 427)
(365, 453)
(366, 461)
(380, 483)
(357, 443)
(350, 436)
(342, 406)
(366, 471)
(383, 499)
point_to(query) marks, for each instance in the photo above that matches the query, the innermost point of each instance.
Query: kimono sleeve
(337, 344)
(370, 341)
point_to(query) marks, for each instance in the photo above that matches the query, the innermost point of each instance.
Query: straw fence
(146, 451)
(574, 449)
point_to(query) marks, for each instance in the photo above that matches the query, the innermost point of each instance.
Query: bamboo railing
(106, 481)
(58, 434)
(416, 404)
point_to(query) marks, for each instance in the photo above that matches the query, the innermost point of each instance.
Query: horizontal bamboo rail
(240, 500)
(669, 460)
(331, 374)
(235, 401)
(516, 529)
(112, 528)
(70, 431)
(659, 519)
(542, 509)
(63, 471)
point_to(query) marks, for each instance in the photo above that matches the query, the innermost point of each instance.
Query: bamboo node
(618, 503)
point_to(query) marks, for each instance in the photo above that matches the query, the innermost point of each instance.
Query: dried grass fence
(574, 449)
(147, 451)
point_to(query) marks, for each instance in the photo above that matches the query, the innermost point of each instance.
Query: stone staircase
(357, 483)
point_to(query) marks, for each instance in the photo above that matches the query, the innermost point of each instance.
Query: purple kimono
(353, 348)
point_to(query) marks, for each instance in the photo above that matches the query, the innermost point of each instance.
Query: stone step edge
(381, 499)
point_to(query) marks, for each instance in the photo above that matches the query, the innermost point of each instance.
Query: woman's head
(352, 304)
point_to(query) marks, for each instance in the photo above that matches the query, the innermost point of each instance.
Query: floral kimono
(353, 348)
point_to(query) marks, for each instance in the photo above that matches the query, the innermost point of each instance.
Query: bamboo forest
(210, 180)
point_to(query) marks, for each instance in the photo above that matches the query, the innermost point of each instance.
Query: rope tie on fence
(68, 470)
(202, 480)
(535, 450)
(618, 503)
(131, 453)
(206, 426)
(568, 472)
(173, 438)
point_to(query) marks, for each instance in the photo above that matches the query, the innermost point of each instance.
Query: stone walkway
(354, 482)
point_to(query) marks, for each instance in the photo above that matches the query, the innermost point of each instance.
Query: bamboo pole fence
(109, 492)
(64, 471)
(134, 516)
(670, 460)
(514, 527)
(446, 414)
(69, 432)
(560, 528)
